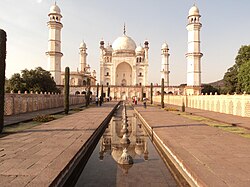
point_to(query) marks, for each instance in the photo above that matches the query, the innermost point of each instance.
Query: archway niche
(124, 72)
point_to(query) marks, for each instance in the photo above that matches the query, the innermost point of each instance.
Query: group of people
(144, 100)
(99, 101)
(135, 100)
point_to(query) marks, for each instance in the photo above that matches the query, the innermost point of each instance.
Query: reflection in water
(124, 139)
(103, 168)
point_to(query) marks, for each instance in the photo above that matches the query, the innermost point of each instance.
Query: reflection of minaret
(146, 150)
(54, 47)
(194, 55)
(165, 64)
(83, 57)
(101, 152)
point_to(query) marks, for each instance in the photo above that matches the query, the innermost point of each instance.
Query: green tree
(3, 39)
(16, 83)
(7, 85)
(66, 90)
(37, 80)
(231, 80)
(231, 77)
(244, 78)
(207, 88)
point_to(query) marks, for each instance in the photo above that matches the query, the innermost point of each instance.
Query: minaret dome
(54, 9)
(194, 11)
(164, 46)
(83, 45)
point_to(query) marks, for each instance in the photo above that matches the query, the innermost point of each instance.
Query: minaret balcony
(194, 54)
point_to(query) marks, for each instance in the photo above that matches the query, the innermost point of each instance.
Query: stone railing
(229, 104)
(16, 103)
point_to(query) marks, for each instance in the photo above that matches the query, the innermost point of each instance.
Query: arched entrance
(123, 74)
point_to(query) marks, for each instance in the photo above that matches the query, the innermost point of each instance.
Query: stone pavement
(23, 117)
(34, 157)
(225, 118)
(210, 156)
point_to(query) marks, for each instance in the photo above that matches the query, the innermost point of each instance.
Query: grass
(20, 127)
(171, 109)
(38, 120)
(223, 126)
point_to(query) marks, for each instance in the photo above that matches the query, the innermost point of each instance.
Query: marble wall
(229, 104)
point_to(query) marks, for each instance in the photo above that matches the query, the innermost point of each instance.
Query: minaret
(102, 62)
(194, 55)
(165, 64)
(146, 48)
(83, 57)
(54, 46)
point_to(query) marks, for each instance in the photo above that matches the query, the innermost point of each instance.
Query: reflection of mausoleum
(110, 141)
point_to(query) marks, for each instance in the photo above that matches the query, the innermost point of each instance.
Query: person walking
(96, 100)
(101, 100)
(144, 100)
(135, 100)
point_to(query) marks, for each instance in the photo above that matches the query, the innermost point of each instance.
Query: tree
(231, 80)
(231, 77)
(244, 78)
(66, 90)
(3, 39)
(151, 93)
(38, 80)
(87, 96)
(16, 83)
(207, 89)
(162, 93)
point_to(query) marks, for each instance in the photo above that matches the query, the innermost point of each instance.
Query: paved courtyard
(212, 157)
(36, 156)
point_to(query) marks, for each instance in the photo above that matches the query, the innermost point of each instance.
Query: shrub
(43, 118)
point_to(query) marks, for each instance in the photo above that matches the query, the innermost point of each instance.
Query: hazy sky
(226, 27)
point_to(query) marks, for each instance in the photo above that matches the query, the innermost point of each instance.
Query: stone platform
(36, 156)
(208, 155)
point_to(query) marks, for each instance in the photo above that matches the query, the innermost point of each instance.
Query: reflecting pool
(147, 168)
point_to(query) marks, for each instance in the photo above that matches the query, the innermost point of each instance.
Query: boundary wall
(229, 104)
(16, 103)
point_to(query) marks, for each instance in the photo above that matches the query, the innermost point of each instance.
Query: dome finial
(124, 29)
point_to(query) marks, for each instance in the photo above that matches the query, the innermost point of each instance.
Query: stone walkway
(23, 117)
(36, 156)
(212, 157)
(225, 118)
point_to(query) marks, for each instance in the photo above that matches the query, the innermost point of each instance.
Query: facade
(193, 55)
(123, 63)
(165, 64)
(83, 76)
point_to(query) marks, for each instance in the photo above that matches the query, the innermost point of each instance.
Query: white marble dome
(55, 9)
(109, 48)
(139, 49)
(83, 45)
(194, 11)
(124, 43)
(164, 45)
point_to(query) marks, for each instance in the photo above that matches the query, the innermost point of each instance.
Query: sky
(225, 28)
